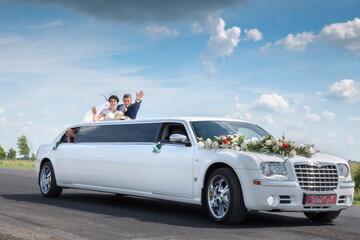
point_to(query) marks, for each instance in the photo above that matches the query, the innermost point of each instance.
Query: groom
(130, 109)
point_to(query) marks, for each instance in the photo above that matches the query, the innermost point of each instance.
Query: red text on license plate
(320, 199)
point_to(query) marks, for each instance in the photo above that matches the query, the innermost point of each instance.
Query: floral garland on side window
(265, 145)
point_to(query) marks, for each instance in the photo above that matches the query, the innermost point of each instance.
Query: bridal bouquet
(119, 115)
(266, 144)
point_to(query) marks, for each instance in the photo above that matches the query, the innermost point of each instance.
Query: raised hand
(139, 95)
(93, 109)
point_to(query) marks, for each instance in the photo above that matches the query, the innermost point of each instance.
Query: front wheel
(224, 199)
(48, 187)
(322, 216)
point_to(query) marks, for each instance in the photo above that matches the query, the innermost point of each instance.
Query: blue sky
(289, 66)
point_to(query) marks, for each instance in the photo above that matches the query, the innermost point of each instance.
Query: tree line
(23, 148)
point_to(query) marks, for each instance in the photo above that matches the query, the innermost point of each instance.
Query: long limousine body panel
(160, 158)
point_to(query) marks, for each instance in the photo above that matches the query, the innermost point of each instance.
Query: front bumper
(287, 195)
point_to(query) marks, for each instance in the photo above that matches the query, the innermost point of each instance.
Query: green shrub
(356, 178)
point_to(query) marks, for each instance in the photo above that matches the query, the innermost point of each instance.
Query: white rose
(237, 148)
(215, 145)
(223, 137)
(254, 140)
(279, 144)
(268, 142)
(312, 150)
(208, 143)
(276, 140)
(245, 143)
(292, 153)
(201, 145)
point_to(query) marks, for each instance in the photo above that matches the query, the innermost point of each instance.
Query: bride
(109, 114)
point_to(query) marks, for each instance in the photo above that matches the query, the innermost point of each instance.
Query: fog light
(349, 200)
(272, 200)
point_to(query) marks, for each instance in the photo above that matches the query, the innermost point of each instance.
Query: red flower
(285, 145)
(226, 141)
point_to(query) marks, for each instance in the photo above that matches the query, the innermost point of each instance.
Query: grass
(20, 164)
(353, 168)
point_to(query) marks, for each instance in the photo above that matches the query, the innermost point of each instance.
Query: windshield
(210, 129)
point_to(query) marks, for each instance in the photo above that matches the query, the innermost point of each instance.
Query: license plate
(320, 199)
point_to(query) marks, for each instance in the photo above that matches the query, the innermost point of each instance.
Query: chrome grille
(312, 177)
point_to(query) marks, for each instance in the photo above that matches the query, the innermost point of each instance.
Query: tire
(322, 216)
(48, 187)
(223, 197)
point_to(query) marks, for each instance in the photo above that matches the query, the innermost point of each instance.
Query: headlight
(273, 168)
(343, 170)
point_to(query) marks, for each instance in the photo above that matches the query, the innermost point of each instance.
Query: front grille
(313, 177)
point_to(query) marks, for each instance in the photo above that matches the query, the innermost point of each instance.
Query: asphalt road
(77, 214)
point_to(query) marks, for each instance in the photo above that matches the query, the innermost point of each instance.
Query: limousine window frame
(197, 136)
(164, 141)
(186, 123)
(63, 136)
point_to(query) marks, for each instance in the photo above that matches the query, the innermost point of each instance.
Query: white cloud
(346, 90)
(157, 32)
(353, 119)
(240, 111)
(222, 41)
(28, 123)
(269, 119)
(266, 47)
(196, 28)
(296, 42)
(272, 102)
(345, 34)
(253, 34)
(2, 110)
(306, 109)
(313, 117)
(327, 116)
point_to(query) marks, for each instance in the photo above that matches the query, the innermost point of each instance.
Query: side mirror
(178, 138)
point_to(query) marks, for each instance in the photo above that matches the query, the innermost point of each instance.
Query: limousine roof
(165, 119)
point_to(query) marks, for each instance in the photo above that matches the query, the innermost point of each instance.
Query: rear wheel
(322, 216)
(48, 187)
(224, 199)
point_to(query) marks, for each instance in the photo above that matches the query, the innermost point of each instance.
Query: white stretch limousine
(162, 158)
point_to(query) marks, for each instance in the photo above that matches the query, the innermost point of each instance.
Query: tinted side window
(146, 132)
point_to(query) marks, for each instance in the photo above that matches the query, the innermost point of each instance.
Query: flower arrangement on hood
(265, 145)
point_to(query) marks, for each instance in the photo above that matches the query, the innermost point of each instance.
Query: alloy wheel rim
(45, 181)
(218, 196)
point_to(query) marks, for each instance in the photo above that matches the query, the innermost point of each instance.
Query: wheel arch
(209, 170)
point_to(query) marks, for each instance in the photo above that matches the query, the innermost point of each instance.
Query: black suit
(131, 110)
